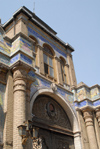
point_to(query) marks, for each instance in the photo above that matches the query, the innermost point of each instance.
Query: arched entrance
(58, 126)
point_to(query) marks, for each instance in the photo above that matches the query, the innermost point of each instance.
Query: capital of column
(88, 116)
(19, 72)
(98, 115)
(19, 78)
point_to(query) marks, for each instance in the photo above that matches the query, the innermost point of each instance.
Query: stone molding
(88, 116)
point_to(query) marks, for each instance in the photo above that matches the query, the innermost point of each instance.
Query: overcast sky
(76, 22)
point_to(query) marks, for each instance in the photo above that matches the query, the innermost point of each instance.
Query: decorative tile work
(21, 57)
(89, 103)
(4, 59)
(95, 93)
(46, 37)
(15, 45)
(2, 117)
(37, 35)
(81, 94)
(25, 59)
(96, 103)
(40, 82)
(76, 104)
(32, 74)
(82, 104)
(4, 48)
(67, 96)
(14, 59)
(21, 44)
(25, 45)
(8, 44)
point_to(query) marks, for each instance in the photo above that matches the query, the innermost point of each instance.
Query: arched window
(48, 61)
(63, 73)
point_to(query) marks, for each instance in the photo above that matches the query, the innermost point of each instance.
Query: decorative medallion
(51, 109)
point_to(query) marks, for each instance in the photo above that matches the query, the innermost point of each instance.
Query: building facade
(41, 105)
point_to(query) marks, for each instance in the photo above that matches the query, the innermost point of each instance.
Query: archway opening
(53, 123)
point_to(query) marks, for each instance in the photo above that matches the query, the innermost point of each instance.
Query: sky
(76, 22)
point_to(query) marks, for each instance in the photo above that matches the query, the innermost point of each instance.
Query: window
(48, 62)
(62, 63)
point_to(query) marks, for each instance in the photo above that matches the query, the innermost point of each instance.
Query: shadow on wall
(2, 120)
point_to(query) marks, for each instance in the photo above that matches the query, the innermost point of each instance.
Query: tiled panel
(37, 35)
(25, 59)
(21, 44)
(4, 59)
(96, 103)
(40, 82)
(15, 45)
(95, 93)
(3, 48)
(83, 103)
(14, 59)
(81, 94)
(32, 74)
(89, 103)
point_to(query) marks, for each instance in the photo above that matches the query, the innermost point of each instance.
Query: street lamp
(27, 130)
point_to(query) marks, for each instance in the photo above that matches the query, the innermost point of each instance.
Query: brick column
(90, 129)
(19, 78)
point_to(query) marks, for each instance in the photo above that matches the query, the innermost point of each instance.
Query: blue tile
(96, 103)
(32, 32)
(32, 74)
(25, 59)
(83, 103)
(4, 59)
(14, 59)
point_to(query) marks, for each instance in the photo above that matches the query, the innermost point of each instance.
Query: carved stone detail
(88, 117)
(47, 109)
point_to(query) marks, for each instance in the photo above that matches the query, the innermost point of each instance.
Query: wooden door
(51, 140)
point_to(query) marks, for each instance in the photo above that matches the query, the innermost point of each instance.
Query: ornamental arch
(68, 131)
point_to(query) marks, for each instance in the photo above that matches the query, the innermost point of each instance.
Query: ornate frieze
(87, 97)
(42, 40)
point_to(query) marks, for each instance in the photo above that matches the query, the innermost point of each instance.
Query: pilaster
(88, 116)
(71, 70)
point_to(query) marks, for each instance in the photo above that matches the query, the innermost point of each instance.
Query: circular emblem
(50, 109)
